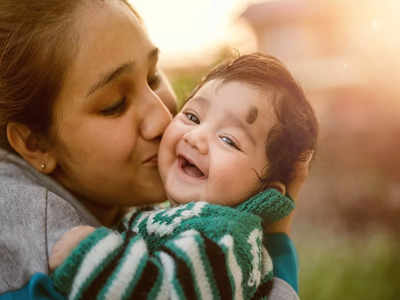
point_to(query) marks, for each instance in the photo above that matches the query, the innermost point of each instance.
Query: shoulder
(22, 223)
(20, 196)
(26, 192)
(281, 290)
(35, 212)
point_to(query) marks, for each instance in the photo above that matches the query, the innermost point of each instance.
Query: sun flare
(187, 29)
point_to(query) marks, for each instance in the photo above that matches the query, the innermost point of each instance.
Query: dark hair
(296, 131)
(37, 44)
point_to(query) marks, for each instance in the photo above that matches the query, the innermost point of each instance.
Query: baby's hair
(294, 136)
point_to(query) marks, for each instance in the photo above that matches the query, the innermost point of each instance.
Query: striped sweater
(194, 251)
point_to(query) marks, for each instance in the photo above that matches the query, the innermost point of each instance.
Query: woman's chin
(156, 195)
(150, 191)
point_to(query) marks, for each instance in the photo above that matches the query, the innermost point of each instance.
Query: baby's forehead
(253, 104)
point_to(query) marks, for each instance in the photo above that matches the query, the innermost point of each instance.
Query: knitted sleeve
(197, 250)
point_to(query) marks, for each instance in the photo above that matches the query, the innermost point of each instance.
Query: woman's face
(109, 117)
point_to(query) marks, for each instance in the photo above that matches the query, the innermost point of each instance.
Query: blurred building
(307, 36)
(341, 52)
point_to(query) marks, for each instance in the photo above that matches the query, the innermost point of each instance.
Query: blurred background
(346, 55)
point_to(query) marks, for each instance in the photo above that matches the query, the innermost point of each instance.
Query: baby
(225, 161)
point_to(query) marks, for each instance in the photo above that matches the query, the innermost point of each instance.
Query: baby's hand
(64, 246)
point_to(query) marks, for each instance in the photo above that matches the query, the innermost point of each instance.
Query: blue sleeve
(284, 257)
(40, 287)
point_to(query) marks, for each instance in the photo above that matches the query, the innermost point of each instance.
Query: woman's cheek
(121, 139)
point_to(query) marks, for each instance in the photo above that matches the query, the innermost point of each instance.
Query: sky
(187, 31)
(192, 29)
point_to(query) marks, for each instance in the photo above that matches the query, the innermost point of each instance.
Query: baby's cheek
(234, 185)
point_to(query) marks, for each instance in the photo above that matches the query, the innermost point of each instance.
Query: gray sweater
(34, 212)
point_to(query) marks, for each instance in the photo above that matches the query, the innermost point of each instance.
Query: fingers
(293, 188)
(300, 174)
(64, 246)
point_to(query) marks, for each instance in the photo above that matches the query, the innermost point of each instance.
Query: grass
(184, 85)
(367, 269)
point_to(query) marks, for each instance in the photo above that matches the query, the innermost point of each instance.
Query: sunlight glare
(186, 28)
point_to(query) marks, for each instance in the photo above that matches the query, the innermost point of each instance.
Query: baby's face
(214, 148)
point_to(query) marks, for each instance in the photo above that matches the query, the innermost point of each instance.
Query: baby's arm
(182, 253)
(187, 266)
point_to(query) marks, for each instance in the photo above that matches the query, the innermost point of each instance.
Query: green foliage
(183, 85)
(184, 81)
(350, 269)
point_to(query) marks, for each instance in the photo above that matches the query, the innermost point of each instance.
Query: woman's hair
(37, 44)
(295, 134)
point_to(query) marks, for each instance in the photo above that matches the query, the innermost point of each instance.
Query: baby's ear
(279, 186)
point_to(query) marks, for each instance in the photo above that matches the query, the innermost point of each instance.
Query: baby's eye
(115, 108)
(230, 142)
(192, 117)
(154, 81)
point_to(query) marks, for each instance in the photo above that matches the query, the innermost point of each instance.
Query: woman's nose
(197, 138)
(155, 117)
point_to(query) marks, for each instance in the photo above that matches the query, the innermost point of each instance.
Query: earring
(43, 165)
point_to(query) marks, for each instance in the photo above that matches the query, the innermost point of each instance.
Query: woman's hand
(301, 172)
(64, 246)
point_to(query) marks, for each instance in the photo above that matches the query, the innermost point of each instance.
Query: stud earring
(43, 165)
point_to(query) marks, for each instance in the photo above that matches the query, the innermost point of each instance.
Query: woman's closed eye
(230, 142)
(116, 108)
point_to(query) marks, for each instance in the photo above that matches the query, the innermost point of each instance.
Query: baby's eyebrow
(240, 123)
(252, 115)
(201, 100)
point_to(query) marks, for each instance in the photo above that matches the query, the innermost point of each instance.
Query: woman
(81, 117)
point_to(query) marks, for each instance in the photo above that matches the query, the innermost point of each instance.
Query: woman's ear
(30, 147)
(279, 186)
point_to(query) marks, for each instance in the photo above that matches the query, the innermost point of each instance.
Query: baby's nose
(198, 140)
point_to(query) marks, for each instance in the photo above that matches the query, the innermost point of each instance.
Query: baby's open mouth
(189, 168)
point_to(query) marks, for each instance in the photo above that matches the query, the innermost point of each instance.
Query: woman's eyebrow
(113, 74)
(106, 78)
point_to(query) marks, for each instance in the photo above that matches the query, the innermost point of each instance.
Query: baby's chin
(172, 202)
(176, 201)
